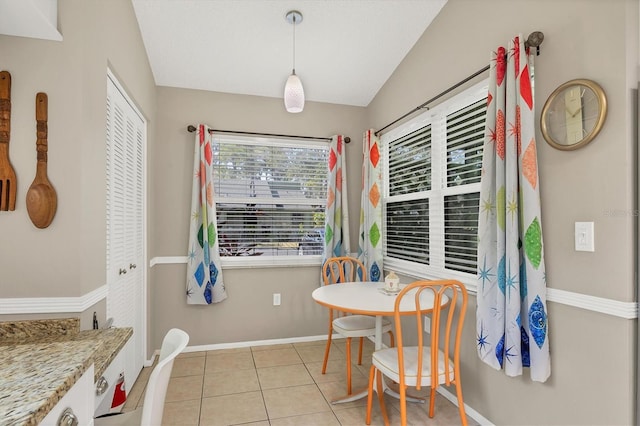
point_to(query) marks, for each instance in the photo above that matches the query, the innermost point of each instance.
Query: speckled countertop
(39, 364)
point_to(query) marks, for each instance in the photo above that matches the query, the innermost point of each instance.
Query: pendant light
(293, 90)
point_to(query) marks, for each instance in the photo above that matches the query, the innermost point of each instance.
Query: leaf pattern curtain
(336, 227)
(511, 318)
(370, 235)
(204, 273)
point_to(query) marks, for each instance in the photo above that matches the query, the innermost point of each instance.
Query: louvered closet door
(125, 223)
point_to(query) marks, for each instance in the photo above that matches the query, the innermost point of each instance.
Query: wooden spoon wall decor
(8, 182)
(41, 197)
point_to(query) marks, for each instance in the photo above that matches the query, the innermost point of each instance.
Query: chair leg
(348, 365)
(403, 405)
(360, 351)
(326, 351)
(372, 372)
(463, 415)
(383, 407)
(432, 401)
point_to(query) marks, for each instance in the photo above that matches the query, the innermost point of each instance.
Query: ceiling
(345, 49)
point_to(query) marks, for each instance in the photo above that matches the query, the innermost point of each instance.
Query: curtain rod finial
(535, 39)
(191, 128)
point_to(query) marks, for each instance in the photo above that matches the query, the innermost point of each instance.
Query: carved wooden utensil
(8, 182)
(41, 197)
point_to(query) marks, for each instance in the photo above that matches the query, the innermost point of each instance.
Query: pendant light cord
(294, 43)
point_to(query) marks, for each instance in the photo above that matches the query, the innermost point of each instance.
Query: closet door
(125, 141)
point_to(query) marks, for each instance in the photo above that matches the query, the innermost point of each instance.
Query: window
(270, 196)
(433, 165)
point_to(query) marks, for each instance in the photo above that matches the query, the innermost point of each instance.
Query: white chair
(347, 269)
(150, 414)
(431, 363)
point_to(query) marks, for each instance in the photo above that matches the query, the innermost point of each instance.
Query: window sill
(426, 272)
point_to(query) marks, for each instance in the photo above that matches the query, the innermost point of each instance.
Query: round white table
(368, 298)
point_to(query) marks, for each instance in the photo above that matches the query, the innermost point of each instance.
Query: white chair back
(174, 342)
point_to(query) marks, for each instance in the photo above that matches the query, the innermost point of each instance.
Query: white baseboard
(482, 421)
(236, 345)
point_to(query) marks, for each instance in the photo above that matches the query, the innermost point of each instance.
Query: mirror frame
(602, 113)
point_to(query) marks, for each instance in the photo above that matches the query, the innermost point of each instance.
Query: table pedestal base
(365, 391)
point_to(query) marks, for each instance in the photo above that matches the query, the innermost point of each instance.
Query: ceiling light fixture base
(293, 17)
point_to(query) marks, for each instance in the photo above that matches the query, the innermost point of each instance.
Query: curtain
(204, 273)
(337, 212)
(511, 318)
(370, 235)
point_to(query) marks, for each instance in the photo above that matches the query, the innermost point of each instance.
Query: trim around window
(432, 166)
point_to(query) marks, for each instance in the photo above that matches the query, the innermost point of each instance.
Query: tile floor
(279, 385)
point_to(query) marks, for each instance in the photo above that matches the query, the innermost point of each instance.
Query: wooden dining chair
(432, 363)
(347, 269)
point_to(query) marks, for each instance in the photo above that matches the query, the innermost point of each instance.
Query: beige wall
(248, 313)
(593, 356)
(67, 259)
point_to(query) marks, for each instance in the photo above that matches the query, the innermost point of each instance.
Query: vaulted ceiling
(345, 49)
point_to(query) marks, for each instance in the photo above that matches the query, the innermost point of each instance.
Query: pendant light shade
(293, 90)
(294, 94)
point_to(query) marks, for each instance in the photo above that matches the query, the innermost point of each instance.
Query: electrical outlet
(427, 324)
(276, 299)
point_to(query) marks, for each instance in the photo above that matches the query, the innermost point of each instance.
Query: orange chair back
(343, 269)
(447, 318)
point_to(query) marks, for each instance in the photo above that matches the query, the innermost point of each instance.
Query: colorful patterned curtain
(511, 322)
(370, 235)
(336, 227)
(204, 273)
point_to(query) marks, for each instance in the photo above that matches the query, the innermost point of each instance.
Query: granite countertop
(37, 369)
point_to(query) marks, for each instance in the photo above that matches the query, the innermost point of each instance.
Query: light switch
(584, 238)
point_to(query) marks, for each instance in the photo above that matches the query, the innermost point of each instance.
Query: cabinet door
(125, 136)
(79, 399)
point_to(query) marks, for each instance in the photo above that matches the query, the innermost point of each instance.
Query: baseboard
(482, 421)
(236, 345)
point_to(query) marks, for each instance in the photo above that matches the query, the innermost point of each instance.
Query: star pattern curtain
(336, 229)
(511, 319)
(204, 273)
(370, 235)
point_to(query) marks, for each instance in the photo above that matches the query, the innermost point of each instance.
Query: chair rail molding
(616, 308)
(49, 305)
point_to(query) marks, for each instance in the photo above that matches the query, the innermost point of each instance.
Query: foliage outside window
(270, 196)
(433, 165)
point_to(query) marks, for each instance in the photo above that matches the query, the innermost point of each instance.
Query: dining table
(370, 298)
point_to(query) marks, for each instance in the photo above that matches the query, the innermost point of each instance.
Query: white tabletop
(366, 298)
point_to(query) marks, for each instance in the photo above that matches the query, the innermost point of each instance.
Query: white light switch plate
(584, 236)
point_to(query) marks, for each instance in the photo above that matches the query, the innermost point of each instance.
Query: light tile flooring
(279, 385)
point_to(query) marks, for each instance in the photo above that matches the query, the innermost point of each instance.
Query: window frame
(436, 117)
(263, 261)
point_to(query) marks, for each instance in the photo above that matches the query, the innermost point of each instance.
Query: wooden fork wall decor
(8, 181)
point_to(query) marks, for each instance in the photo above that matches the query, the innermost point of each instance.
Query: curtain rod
(191, 128)
(534, 40)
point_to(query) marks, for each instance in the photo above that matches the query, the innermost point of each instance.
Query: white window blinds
(433, 167)
(270, 195)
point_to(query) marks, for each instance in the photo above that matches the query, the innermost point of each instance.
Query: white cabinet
(109, 379)
(125, 145)
(79, 399)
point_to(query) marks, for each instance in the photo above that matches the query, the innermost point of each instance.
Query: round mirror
(574, 114)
